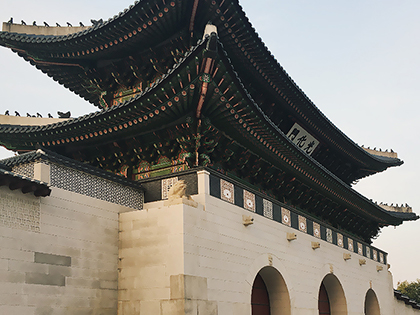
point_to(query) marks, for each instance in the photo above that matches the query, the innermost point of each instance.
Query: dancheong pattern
(249, 201)
(268, 209)
(302, 224)
(227, 191)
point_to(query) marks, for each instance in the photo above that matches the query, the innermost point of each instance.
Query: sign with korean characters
(302, 139)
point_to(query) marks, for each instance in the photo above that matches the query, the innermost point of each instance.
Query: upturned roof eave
(312, 109)
(389, 217)
(48, 39)
(300, 156)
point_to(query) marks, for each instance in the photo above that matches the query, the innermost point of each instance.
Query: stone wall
(209, 251)
(152, 266)
(229, 255)
(58, 254)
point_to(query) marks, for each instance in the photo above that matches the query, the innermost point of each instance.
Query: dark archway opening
(323, 301)
(371, 303)
(260, 300)
(331, 298)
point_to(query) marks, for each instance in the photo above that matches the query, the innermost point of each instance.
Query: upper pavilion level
(116, 60)
(172, 99)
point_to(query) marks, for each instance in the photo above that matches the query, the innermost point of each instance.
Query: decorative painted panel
(375, 255)
(317, 230)
(285, 217)
(329, 235)
(302, 224)
(367, 252)
(226, 190)
(268, 208)
(381, 258)
(340, 240)
(350, 245)
(360, 249)
(249, 201)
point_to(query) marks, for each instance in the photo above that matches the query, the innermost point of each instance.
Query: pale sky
(358, 61)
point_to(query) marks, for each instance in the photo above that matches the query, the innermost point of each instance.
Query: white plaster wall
(210, 242)
(71, 225)
(220, 248)
(210, 245)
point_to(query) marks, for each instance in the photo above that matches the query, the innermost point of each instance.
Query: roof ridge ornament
(402, 208)
(43, 30)
(209, 29)
(374, 151)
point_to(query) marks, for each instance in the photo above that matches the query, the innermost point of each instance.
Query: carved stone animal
(177, 195)
(178, 190)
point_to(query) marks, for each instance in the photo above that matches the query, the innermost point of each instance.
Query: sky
(358, 61)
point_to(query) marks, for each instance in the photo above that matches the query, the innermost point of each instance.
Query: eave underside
(133, 50)
(201, 114)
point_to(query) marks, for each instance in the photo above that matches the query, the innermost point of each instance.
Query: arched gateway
(331, 298)
(260, 300)
(323, 301)
(371, 303)
(269, 294)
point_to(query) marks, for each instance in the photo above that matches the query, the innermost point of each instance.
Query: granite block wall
(58, 254)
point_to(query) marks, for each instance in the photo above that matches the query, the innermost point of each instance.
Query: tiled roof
(25, 184)
(148, 23)
(406, 299)
(46, 155)
(272, 144)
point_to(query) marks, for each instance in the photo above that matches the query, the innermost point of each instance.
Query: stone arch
(278, 294)
(371, 303)
(335, 293)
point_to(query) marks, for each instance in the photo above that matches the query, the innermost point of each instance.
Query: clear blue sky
(357, 60)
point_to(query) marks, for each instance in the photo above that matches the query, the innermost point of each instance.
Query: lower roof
(203, 93)
(27, 185)
(50, 156)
